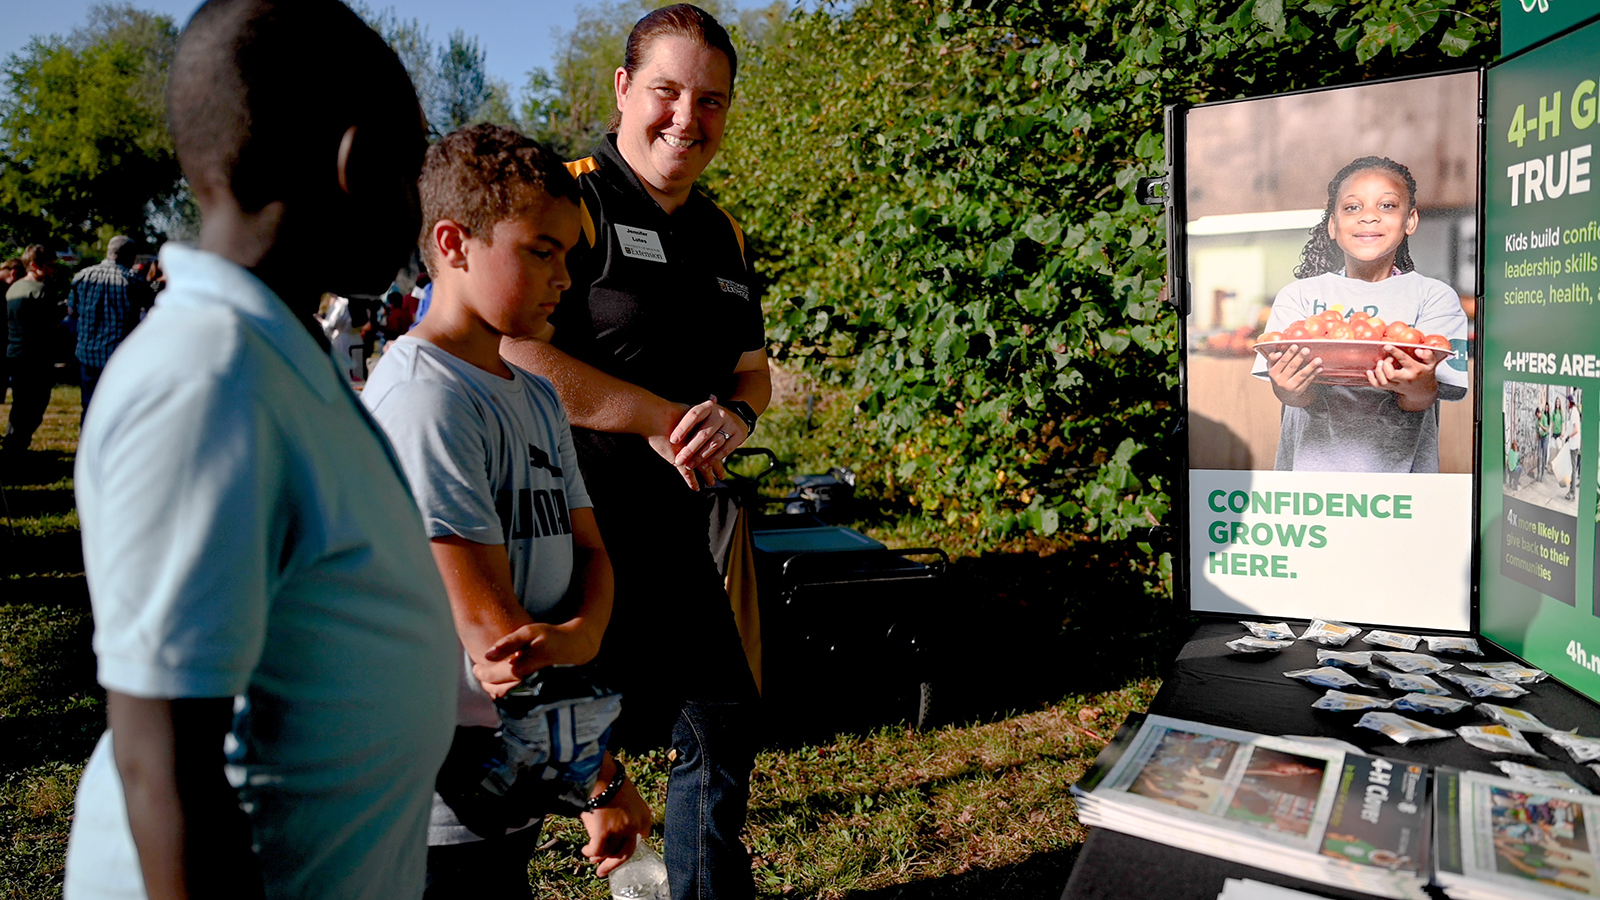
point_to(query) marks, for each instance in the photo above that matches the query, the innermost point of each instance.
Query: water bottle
(642, 877)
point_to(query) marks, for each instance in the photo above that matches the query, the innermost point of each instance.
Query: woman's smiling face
(673, 110)
(1371, 216)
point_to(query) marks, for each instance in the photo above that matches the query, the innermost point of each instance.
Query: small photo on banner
(1540, 490)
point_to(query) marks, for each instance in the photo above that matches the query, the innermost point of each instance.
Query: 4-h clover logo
(1528, 5)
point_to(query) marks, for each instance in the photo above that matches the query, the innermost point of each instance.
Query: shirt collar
(198, 278)
(607, 156)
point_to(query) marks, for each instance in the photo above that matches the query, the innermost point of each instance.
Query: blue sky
(516, 36)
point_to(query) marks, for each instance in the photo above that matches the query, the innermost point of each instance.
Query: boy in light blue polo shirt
(275, 645)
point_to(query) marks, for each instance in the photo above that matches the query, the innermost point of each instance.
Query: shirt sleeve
(574, 330)
(755, 328)
(184, 523)
(439, 439)
(1441, 313)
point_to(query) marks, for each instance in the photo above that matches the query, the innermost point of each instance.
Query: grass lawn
(1059, 650)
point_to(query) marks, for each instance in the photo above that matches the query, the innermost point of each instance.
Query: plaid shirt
(107, 300)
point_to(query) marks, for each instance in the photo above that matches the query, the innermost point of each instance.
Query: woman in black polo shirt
(659, 356)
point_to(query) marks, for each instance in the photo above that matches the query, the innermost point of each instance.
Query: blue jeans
(708, 791)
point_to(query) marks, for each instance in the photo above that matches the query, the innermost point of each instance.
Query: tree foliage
(452, 80)
(941, 196)
(463, 82)
(84, 150)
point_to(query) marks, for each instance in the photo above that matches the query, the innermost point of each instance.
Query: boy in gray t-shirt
(488, 451)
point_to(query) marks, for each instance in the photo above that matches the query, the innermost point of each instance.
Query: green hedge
(941, 197)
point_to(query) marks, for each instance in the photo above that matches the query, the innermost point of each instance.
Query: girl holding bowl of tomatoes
(1356, 281)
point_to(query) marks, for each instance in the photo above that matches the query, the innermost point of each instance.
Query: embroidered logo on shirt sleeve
(734, 287)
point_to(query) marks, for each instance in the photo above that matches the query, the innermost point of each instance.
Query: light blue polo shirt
(247, 532)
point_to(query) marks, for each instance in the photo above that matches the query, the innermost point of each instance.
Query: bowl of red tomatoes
(1350, 348)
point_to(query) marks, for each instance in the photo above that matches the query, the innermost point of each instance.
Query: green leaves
(83, 139)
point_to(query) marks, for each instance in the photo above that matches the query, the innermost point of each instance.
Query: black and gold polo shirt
(666, 302)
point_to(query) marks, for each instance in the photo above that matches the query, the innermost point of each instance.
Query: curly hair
(484, 174)
(1321, 254)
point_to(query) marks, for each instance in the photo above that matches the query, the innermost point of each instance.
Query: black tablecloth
(1210, 683)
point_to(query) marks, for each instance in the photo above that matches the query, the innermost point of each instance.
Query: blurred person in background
(10, 271)
(33, 310)
(107, 300)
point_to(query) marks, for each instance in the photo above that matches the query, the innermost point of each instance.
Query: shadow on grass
(69, 737)
(1042, 876)
(36, 467)
(59, 552)
(24, 502)
(66, 591)
(1018, 630)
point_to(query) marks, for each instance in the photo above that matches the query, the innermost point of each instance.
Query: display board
(1539, 595)
(1335, 502)
(1524, 23)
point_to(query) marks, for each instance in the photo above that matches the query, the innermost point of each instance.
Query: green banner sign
(1524, 23)
(1539, 593)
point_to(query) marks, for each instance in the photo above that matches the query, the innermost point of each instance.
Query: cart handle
(772, 460)
(938, 567)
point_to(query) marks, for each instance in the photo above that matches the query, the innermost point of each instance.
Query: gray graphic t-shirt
(490, 460)
(1363, 429)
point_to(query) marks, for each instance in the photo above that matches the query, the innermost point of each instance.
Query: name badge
(641, 243)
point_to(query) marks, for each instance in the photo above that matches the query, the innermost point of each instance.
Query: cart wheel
(925, 707)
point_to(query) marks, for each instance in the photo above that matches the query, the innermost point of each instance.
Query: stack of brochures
(1497, 838)
(1301, 808)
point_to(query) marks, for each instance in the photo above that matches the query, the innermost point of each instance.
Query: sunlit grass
(978, 809)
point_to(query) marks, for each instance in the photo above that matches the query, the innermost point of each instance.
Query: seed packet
(1497, 739)
(1510, 673)
(1392, 639)
(1339, 701)
(1257, 645)
(1352, 659)
(1328, 676)
(1411, 662)
(1555, 781)
(1429, 703)
(1517, 719)
(1400, 681)
(1582, 749)
(1272, 631)
(1444, 643)
(1400, 729)
(1333, 634)
(1477, 686)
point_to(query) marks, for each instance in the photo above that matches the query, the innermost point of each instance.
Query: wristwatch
(744, 412)
(613, 788)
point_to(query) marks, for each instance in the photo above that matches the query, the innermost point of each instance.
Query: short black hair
(484, 174)
(255, 82)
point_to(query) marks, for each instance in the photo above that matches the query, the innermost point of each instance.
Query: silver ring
(725, 435)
